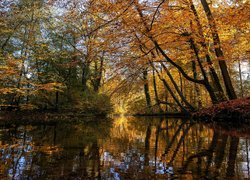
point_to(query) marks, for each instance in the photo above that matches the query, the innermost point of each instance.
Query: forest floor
(234, 111)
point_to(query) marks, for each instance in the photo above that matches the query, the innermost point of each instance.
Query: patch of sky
(245, 70)
(57, 11)
(5, 5)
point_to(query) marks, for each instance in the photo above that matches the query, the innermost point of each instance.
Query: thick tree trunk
(218, 51)
(197, 96)
(57, 100)
(146, 88)
(213, 74)
(98, 74)
(85, 75)
(207, 84)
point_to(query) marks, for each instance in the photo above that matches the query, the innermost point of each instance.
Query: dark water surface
(123, 148)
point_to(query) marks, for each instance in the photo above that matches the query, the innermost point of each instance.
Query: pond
(123, 148)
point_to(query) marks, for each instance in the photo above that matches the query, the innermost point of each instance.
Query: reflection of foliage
(132, 147)
(33, 149)
(141, 123)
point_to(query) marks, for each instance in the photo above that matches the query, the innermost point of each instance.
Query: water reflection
(123, 148)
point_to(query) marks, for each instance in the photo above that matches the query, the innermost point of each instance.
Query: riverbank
(233, 111)
(26, 117)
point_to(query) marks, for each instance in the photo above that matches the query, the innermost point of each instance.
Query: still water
(123, 148)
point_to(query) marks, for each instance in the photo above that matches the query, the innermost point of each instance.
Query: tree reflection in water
(122, 148)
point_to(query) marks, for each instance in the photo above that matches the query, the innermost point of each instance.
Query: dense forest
(134, 56)
(124, 89)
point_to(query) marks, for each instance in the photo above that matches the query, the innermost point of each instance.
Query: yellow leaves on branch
(28, 107)
(6, 70)
(10, 67)
(54, 86)
(50, 87)
(7, 90)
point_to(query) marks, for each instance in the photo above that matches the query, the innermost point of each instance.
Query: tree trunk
(177, 88)
(166, 99)
(146, 88)
(85, 75)
(57, 99)
(241, 84)
(98, 74)
(197, 96)
(218, 51)
(170, 90)
(156, 92)
(168, 59)
(207, 85)
(212, 72)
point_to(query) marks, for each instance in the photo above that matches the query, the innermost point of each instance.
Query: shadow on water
(123, 148)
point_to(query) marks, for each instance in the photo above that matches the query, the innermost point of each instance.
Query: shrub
(92, 103)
